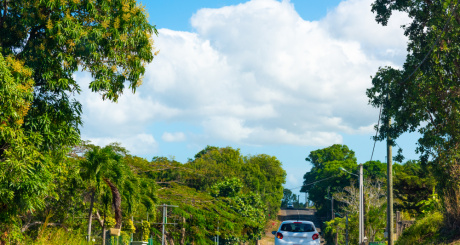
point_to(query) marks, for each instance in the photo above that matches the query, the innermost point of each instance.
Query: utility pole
(332, 207)
(346, 230)
(306, 201)
(389, 189)
(336, 235)
(165, 221)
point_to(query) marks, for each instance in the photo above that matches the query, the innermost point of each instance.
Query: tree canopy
(412, 184)
(325, 177)
(219, 192)
(423, 96)
(42, 44)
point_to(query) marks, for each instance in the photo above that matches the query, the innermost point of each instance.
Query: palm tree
(93, 167)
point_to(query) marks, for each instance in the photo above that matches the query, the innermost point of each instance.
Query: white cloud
(173, 137)
(140, 144)
(257, 73)
(382, 42)
(293, 180)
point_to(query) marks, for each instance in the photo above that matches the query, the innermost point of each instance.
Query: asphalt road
(297, 214)
(300, 214)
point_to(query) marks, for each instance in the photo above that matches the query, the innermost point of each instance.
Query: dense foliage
(326, 178)
(423, 96)
(412, 184)
(97, 188)
(220, 193)
(413, 188)
(42, 44)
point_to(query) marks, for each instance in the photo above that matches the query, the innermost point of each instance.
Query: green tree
(266, 177)
(423, 95)
(261, 174)
(228, 188)
(288, 197)
(103, 165)
(25, 177)
(220, 192)
(43, 43)
(412, 184)
(325, 177)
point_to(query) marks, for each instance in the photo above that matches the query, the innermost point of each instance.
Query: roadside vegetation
(414, 192)
(217, 193)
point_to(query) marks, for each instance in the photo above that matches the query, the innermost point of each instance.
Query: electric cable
(376, 133)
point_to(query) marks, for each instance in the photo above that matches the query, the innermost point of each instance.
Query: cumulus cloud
(173, 137)
(257, 73)
(382, 42)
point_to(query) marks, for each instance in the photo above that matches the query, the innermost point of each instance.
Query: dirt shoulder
(269, 238)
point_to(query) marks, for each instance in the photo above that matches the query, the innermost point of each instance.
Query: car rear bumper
(281, 242)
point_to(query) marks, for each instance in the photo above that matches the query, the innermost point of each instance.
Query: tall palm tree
(93, 166)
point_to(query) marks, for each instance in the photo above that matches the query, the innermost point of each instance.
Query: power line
(312, 183)
(376, 133)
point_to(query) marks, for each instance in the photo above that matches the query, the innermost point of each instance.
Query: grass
(55, 236)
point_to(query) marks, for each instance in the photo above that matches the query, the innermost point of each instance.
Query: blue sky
(175, 14)
(281, 78)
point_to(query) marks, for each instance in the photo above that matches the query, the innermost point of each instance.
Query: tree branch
(98, 217)
(28, 225)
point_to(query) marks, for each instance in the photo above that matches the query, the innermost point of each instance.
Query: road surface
(292, 214)
(297, 214)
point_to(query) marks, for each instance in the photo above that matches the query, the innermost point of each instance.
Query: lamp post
(361, 203)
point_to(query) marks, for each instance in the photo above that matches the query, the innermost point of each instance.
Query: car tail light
(279, 235)
(315, 236)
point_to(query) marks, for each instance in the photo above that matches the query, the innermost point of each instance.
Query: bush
(58, 236)
(423, 231)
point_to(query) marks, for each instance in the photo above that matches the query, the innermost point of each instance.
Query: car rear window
(297, 227)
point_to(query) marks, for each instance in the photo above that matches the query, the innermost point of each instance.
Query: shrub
(58, 236)
(145, 230)
(423, 231)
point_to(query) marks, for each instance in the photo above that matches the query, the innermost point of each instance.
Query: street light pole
(361, 202)
(361, 206)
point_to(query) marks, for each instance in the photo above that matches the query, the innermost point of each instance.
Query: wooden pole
(389, 190)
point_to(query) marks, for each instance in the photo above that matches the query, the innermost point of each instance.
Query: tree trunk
(90, 217)
(451, 198)
(182, 233)
(103, 230)
(169, 239)
(116, 202)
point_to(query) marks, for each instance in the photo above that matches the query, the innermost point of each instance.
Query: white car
(290, 205)
(297, 233)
